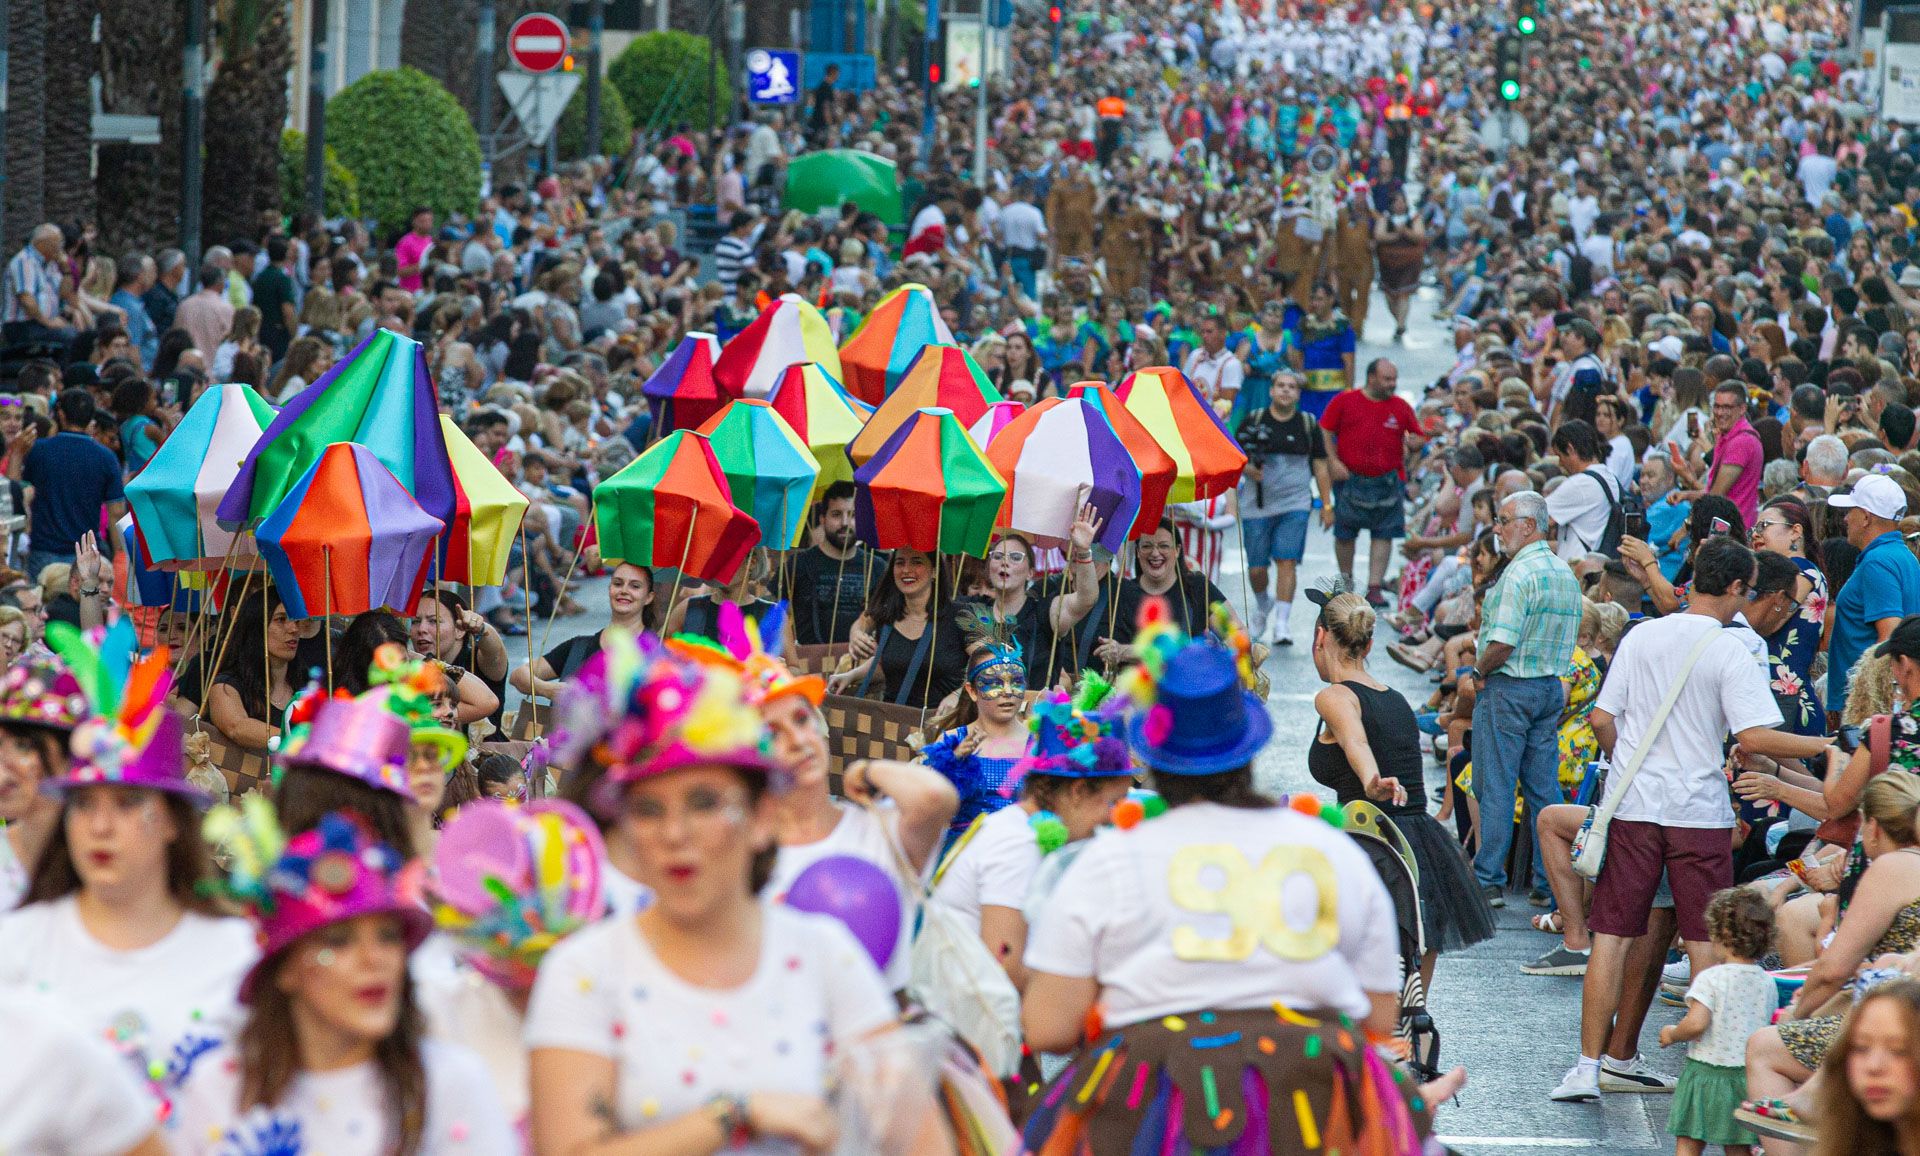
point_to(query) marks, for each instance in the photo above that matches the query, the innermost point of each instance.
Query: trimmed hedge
(342, 187)
(616, 123)
(659, 68)
(409, 143)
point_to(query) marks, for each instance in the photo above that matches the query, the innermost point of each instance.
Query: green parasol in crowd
(831, 178)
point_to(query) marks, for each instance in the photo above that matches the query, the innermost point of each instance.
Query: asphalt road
(1517, 1034)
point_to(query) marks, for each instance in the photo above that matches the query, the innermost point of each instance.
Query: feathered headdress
(991, 647)
(1077, 736)
(132, 739)
(752, 650)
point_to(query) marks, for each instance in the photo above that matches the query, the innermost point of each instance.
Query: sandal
(1549, 922)
(1775, 1118)
(1410, 657)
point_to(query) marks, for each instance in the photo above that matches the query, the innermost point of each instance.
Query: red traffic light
(933, 74)
(1053, 14)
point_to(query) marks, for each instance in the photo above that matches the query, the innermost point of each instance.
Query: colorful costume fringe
(1233, 1083)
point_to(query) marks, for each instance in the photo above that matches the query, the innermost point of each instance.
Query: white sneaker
(1279, 631)
(1581, 1085)
(1679, 973)
(1632, 1076)
(1257, 628)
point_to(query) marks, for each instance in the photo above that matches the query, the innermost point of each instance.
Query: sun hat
(42, 693)
(293, 887)
(1877, 494)
(741, 648)
(509, 882)
(131, 738)
(1193, 713)
(645, 711)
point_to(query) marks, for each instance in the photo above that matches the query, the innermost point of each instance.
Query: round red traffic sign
(537, 42)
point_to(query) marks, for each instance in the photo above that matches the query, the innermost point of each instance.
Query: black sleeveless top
(1395, 740)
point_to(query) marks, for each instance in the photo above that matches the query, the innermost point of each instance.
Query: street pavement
(1516, 1034)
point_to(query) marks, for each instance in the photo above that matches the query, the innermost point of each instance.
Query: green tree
(408, 143)
(342, 187)
(662, 76)
(616, 124)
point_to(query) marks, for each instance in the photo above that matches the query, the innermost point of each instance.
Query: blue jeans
(38, 560)
(1516, 728)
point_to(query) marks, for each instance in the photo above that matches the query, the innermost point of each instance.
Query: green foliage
(616, 123)
(665, 73)
(343, 188)
(409, 143)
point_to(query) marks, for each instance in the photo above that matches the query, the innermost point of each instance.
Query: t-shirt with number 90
(1221, 907)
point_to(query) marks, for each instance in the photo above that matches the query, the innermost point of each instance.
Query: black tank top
(1394, 739)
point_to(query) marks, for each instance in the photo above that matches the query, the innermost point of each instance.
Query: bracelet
(86, 593)
(1088, 557)
(729, 1111)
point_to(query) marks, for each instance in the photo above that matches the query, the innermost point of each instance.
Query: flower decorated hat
(407, 686)
(130, 739)
(1192, 712)
(744, 648)
(42, 693)
(361, 738)
(642, 710)
(1078, 736)
(512, 881)
(293, 887)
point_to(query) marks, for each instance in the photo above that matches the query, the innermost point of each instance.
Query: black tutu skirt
(1453, 910)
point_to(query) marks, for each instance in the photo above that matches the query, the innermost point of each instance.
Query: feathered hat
(1077, 736)
(1193, 713)
(131, 738)
(42, 693)
(991, 648)
(293, 887)
(751, 650)
(512, 881)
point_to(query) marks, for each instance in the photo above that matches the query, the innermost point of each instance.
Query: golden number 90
(1249, 897)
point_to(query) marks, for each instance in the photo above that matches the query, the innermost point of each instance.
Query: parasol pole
(226, 636)
(840, 575)
(526, 589)
(197, 624)
(933, 617)
(561, 593)
(326, 562)
(680, 571)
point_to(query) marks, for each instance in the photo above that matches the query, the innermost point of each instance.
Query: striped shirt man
(31, 274)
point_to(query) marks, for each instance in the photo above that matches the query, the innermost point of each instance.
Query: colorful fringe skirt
(1231, 1083)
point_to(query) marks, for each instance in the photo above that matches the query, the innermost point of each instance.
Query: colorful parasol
(672, 507)
(1207, 460)
(769, 469)
(486, 515)
(348, 537)
(943, 376)
(999, 416)
(175, 498)
(901, 324)
(1157, 467)
(682, 393)
(147, 586)
(903, 500)
(1058, 456)
(787, 332)
(381, 397)
(823, 414)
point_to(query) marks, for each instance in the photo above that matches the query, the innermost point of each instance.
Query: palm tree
(72, 58)
(246, 110)
(138, 186)
(26, 118)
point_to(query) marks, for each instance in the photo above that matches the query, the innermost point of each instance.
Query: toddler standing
(1726, 1003)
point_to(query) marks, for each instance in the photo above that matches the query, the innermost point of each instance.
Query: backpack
(1579, 273)
(1609, 543)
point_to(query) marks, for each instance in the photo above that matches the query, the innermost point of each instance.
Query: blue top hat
(1201, 721)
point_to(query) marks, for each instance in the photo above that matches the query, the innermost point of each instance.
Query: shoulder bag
(1590, 843)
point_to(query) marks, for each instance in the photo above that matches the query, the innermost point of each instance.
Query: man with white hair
(1824, 468)
(33, 292)
(1529, 621)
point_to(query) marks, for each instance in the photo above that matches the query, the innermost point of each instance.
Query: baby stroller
(1393, 859)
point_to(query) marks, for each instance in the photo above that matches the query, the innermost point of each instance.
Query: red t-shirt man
(1371, 425)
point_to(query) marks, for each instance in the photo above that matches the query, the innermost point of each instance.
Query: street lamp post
(317, 110)
(193, 118)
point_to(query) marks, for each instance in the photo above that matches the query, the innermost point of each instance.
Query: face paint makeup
(325, 957)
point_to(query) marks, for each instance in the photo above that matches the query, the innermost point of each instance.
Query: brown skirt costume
(1233, 1083)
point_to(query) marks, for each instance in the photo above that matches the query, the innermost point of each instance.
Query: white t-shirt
(995, 868)
(1579, 506)
(63, 1092)
(624, 894)
(470, 1010)
(342, 1113)
(167, 1003)
(1137, 911)
(604, 992)
(1679, 783)
(858, 833)
(1742, 998)
(14, 876)
(1620, 461)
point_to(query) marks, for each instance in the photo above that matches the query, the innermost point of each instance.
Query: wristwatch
(730, 1112)
(86, 593)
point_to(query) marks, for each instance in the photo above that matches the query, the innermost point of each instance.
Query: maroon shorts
(1698, 862)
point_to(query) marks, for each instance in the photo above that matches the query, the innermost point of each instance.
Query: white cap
(1877, 494)
(1669, 347)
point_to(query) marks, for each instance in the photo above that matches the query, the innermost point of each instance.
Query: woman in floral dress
(1785, 527)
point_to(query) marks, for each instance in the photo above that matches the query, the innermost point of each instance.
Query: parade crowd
(274, 881)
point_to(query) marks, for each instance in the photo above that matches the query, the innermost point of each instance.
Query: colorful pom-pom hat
(293, 887)
(742, 648)
(645, 711)
(1077, 736)
(130, 738)
(1193, 713)
(511, 881)
(42, 694)
(407, 686)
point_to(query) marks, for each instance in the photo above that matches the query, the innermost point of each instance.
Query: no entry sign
(537, 42)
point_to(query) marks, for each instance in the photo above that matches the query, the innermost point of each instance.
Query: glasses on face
(703, 807)
(1503, 520)
(1007, 556)
(1764, 525)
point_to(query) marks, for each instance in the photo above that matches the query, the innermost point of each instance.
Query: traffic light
(1053, 14)
(933, 75)
(1527, 15)
(1509, 58)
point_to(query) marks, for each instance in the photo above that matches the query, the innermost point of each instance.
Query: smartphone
(1719, 526)
(1636, 527)
(1848, 739)
(1693, 427)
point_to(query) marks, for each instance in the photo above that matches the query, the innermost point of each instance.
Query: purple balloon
(858, 894)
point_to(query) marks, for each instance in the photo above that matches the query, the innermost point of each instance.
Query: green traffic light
(1528, 26)
(1509, 90)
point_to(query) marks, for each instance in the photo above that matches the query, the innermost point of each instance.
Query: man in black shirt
(821, 119)
(831, 579)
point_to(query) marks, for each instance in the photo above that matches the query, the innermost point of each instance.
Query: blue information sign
(773, 76)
